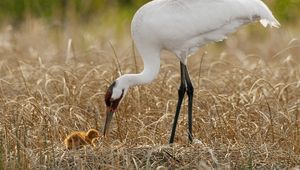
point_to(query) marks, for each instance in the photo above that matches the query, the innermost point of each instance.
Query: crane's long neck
(151, 59)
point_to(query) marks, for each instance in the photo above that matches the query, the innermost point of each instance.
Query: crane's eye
(112, 103)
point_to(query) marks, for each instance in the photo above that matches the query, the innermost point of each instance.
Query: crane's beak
(109, 115)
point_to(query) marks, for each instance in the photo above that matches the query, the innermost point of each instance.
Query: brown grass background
(246, 110)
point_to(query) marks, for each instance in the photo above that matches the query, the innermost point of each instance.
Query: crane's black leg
(190, 93)
(181, 92)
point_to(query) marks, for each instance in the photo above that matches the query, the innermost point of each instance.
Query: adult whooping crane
(182, 27)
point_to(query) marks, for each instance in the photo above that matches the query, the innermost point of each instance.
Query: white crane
(182, 27)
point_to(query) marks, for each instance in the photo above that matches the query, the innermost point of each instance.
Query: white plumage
(183, 26)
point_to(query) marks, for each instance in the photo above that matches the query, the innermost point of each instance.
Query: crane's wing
(183, 26)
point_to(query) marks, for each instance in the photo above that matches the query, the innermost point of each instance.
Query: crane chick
(78, 139)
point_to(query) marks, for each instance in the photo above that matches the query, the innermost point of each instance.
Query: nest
(196, 156)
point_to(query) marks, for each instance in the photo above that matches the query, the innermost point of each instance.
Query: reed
(246, 109)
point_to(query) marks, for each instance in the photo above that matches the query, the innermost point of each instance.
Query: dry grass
(246, 108)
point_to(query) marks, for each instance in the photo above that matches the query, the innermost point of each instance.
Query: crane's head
(113, 97)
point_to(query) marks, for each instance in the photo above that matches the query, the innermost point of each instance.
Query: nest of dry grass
(246, 107)
(175, 157)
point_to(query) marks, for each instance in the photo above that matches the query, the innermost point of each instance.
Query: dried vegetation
(246, 108)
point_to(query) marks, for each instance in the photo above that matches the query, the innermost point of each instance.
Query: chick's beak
(109, 114)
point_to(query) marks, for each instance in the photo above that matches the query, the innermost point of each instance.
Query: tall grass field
(246, 111)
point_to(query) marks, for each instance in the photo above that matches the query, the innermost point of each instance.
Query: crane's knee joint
(181, 90)
(190, 90)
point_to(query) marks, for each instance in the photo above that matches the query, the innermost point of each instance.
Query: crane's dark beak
(111, 107)
(109, 115)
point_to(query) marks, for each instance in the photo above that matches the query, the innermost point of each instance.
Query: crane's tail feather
(272, 23)
(266, 16)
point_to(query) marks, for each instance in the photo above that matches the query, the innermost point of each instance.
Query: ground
(245, 115)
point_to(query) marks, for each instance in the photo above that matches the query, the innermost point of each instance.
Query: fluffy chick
(78, 139)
